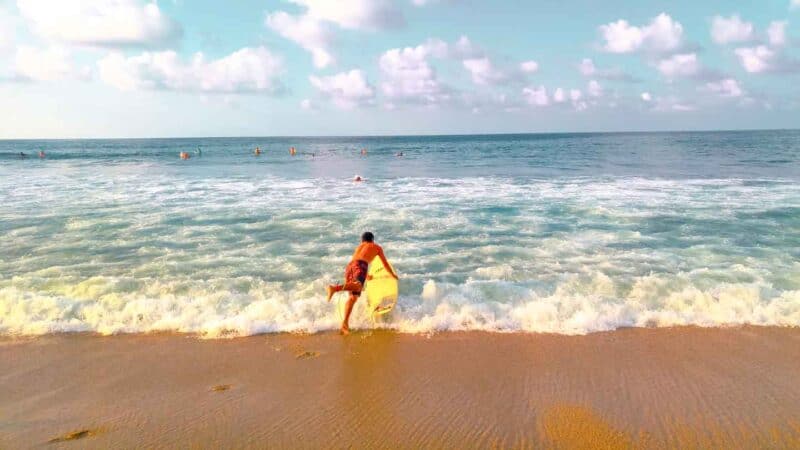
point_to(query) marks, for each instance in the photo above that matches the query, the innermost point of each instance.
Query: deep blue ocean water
(565, 233)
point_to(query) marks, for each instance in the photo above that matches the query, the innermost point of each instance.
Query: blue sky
(136, 68)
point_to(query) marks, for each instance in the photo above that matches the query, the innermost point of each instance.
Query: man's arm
(386, 264)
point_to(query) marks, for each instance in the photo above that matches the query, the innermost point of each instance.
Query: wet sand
(634, 388)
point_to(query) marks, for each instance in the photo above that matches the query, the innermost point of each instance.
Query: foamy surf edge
(246, 306)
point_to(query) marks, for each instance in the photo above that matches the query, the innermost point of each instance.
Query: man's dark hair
(367, 237)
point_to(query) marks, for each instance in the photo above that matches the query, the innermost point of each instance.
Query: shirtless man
(356, 274)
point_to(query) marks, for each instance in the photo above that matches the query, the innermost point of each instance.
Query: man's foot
(344, 331)
(330, 290)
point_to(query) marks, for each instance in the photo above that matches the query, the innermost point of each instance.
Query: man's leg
(352, 286)
(345, 330)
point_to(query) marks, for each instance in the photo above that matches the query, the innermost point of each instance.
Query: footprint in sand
(221, 387)
(306, 355)
(75, 435)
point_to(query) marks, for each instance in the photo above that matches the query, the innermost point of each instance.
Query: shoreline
(629, 388)
(17, 338)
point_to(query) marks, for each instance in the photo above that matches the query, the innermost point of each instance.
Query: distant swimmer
(355, 275)
(41, 154)
(22, 155)
(185, 155)
(292, 151)
(358, 179)
(257, 151)
(399, 154)
(363, 152)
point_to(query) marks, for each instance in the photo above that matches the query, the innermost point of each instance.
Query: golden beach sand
(631, 388)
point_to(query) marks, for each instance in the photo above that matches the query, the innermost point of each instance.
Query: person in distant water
(22, 155)
(363, 152)
(41, 154)
(257, 151)
(185, 155)
(399, 154)
(357, 179)
(356, 274)
(292, 151)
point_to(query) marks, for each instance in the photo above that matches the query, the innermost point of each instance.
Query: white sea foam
(235, 307)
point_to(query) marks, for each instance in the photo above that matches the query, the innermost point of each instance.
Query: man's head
(367, 237)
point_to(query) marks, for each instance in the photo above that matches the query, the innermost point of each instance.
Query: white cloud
(7, 32)
(577, 99)
(313, 29)
(587, 67)
(462, 49)
(559, 96)
(100, 22)
(346, 90)
(407, 75)
(354, 14)
(663, 34)
(50, 64)
(761, 58)
(731, 30)
(621, 37)
(776, 33)
(482, 71)
(680, 65)
(529, 66)
(313, 35)
(677, 106)
(670, 104)
(594, 89)
(307, 104)
(725, 88)
(646, 96)
(755, 59)
(536, 96)
(246, 70)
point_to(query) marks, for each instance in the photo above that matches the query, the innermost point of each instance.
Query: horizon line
(430, 135)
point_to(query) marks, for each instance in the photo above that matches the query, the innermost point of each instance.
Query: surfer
(356, 274)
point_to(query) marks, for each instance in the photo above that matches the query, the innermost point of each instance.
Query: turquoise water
(567, 233)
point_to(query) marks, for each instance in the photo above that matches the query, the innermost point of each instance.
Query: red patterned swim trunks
(356, 271)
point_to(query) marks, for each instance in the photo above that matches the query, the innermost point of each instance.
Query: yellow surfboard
(381, 289)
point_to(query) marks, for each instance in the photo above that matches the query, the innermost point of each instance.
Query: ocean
(556, 233)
